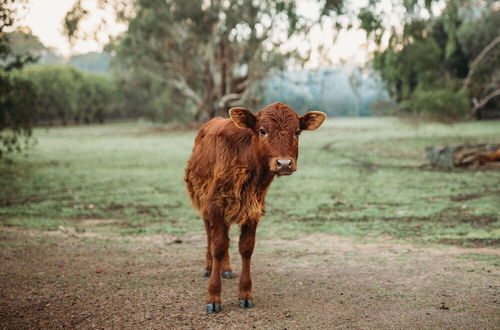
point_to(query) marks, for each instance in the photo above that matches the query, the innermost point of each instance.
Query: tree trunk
(469, 156)
(223, 87)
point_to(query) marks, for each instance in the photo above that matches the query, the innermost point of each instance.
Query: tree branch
(183, 87)
(179, 83)
(228, 99)
(480, 104)
(478, 59)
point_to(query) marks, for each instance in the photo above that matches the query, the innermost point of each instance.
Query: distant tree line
(61, 94)
(83, 91)
(343, 91)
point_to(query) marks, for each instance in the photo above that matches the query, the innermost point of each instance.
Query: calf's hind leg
(246, 246)
(219, 242)
(227, 271)
(208, 255)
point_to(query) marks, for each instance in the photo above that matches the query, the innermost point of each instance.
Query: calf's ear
(242, 117)
(312, 120)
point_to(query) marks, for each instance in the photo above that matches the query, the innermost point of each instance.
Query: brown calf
(232, 165)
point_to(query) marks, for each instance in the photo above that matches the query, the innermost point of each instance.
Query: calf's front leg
(246, 246)
(219, 244)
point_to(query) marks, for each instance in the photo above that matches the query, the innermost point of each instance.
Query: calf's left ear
(312, 120)
(242, 117)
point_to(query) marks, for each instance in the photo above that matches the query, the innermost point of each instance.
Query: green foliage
(16, 113)
(23, 42)
(64, 94)
(198, 49)
(93, 61)
(451, 21)
(438, 103)
(371, 23)
(72, 19)
(432, 49)
(417, 64)
(99, 98)
(203, 55)
(57, 91)
(474, 35)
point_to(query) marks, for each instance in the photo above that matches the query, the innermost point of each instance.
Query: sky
(45, 17)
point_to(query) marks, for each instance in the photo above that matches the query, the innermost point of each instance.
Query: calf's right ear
(242, 117)
(312, 120)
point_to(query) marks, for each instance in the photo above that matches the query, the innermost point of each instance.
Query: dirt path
(65, 279)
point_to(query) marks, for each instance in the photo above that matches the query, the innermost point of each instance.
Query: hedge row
(63, 94)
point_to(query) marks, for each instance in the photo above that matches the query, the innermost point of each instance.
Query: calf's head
(276, 129)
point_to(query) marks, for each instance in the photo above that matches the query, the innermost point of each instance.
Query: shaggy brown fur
(233, 163)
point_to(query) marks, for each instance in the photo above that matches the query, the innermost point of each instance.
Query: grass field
(357, 177)
(97, 232)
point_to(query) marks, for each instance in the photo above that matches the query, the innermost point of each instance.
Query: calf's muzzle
(283, 166)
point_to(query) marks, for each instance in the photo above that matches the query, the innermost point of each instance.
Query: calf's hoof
(227, 274)
(246, 303)
(207, 273)
(213, 308)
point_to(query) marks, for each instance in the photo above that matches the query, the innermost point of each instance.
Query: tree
(98, 98)
(57, 89)
(450, 54)
(16, 113)
(92, 61)
(481, 42)
(22, 42)
(16, 97)
(203, 54)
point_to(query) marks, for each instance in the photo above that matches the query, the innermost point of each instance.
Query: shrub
(99, 98)
(441, 103)
(64, 94)
(57, 91)
(16, 112)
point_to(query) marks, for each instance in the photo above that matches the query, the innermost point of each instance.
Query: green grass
(488, 259)
(356, 177)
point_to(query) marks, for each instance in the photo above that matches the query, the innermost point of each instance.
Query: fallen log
(469, 156)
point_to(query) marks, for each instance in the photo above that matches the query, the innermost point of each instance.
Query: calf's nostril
(284, 163)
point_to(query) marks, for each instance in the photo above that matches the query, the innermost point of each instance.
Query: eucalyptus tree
(203, 55)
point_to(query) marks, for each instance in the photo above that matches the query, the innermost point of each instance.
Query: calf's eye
(262, 131)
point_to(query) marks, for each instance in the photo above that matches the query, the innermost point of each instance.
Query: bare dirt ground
(83, 280)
